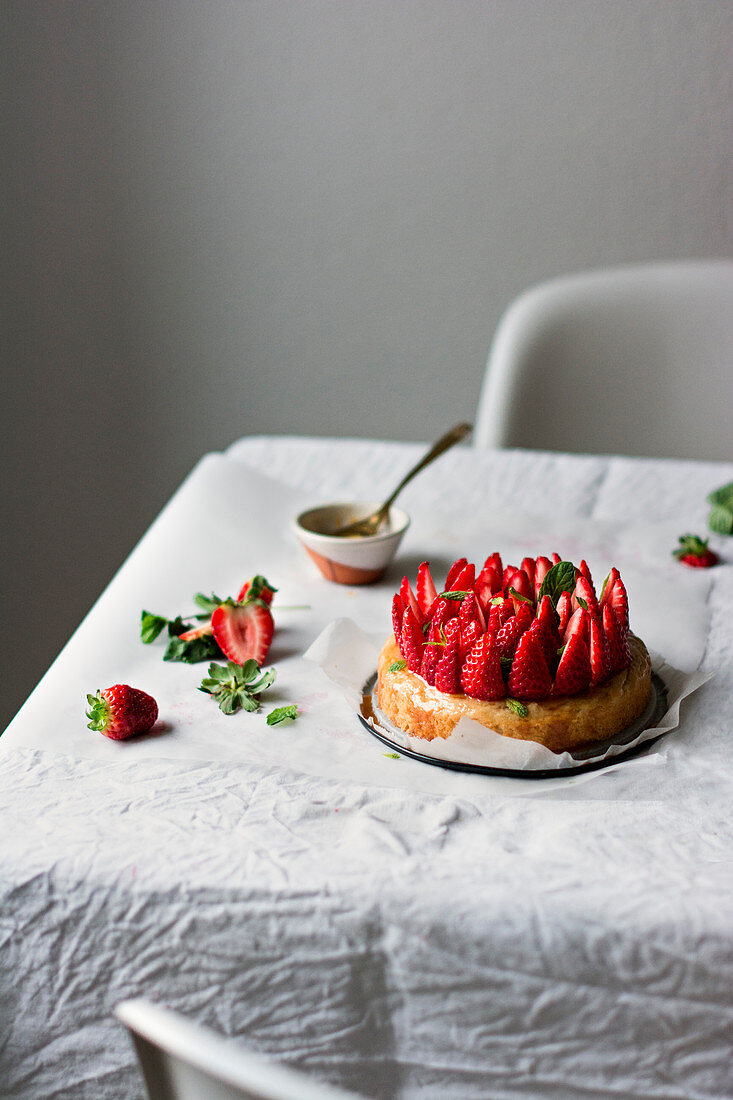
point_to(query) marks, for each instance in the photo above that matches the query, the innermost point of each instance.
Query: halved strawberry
(432, 653)
(520, 582)
(508, 637)
(585, 572)
(471, 612)
(584, 591)
(600, 662)
(470, 633)
(398, 610)
(447, 670)
(498, 614)
(564, 610)
(443, 611)
(546, 614)
(463, 581)
(608, 585)
(574, 671)
(425, 586)
(578, 623)
(412, 641)
(619, 654)
(494, 562)
(243, 630)
(481, 676)
(618, 600)
(542, 567)
(257, 588)
(529, 677)
(529, 565)
(456, 568)
(547, 639)
(409, 599)
(491, 576)
(525, 614)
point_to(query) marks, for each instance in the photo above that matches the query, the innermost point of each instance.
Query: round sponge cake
(561, 724)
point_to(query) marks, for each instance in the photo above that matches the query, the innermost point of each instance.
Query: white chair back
(182, 1061)
(633, 360)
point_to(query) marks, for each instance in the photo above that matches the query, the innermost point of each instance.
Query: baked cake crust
(563, 723)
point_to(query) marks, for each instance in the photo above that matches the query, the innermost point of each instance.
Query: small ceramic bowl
(349, 560)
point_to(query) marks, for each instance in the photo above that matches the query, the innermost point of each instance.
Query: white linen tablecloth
(392, 927)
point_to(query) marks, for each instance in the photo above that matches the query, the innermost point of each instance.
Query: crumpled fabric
(399, 943)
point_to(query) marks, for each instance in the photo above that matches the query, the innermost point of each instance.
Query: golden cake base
(562, 724)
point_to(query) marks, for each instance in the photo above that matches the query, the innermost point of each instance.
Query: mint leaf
(455, 594)
(559, 579)
(720, 520)
(397, 666)
(518, 596)
(281, 715)
(392, 755)
(517, 707)
(151, 626)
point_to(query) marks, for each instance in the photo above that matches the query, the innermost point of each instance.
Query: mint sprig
(559, 579)
(236, 687)
(517, 707)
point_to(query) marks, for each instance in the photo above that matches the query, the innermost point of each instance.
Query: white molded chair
(182, 1061)
(633, 360)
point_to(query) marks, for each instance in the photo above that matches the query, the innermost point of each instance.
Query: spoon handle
(455, 435)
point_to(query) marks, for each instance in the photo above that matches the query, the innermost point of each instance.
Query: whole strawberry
(121, 711)
(695, 552)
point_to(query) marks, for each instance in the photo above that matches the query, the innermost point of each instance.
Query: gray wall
(305, 216)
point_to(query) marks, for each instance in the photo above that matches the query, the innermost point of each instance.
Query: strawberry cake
(530, 652)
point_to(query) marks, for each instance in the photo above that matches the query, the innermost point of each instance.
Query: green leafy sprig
(236, 687)
(720, 519)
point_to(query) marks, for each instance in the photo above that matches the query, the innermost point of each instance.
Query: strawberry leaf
(559, 579)
(151, 626)
(191, 653)
(236, 687)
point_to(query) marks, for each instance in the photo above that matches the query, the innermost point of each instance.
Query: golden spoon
(371, 524)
